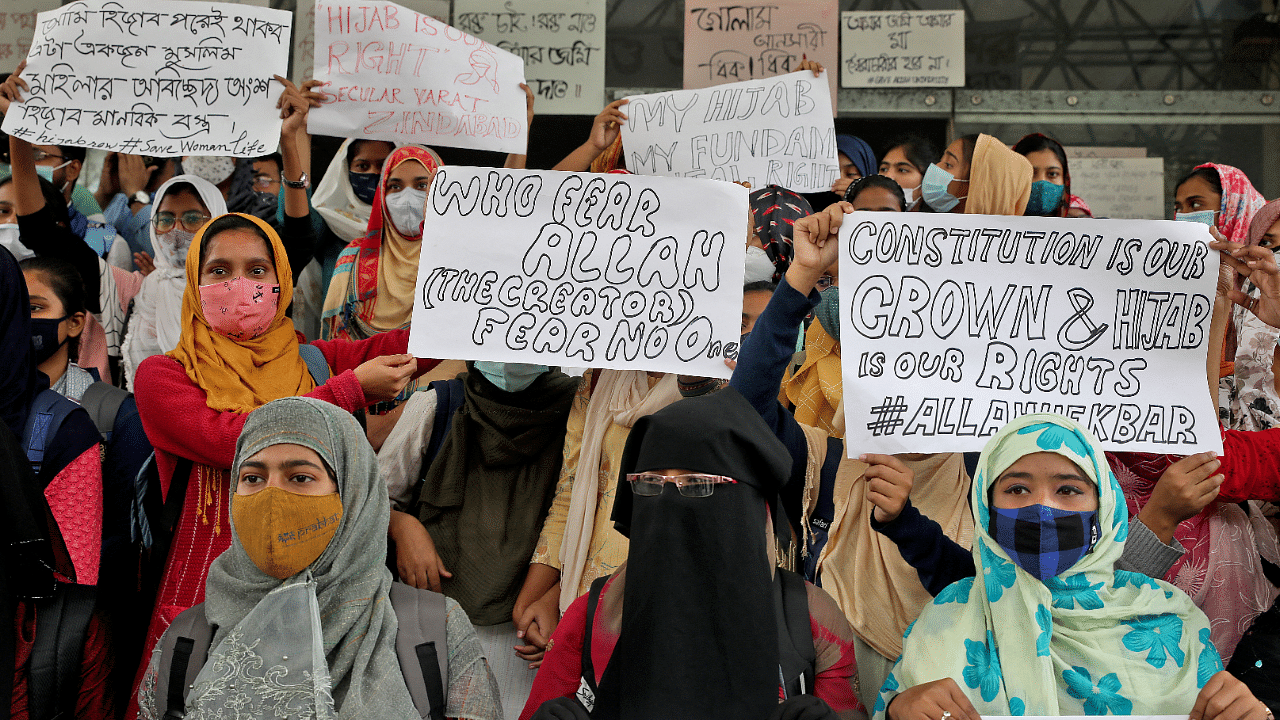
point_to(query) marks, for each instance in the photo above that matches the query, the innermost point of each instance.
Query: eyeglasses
(192, 221)
(264, 181)
(824, 282)
(38, 155)
(649, 484)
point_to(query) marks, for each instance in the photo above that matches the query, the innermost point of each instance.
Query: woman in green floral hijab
(1074, 635)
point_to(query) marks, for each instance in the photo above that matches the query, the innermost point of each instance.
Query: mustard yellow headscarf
(999, 179)
(239, 376)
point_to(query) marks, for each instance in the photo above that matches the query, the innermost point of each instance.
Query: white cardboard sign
(396, 74)
(578, 269)
(956, 324)
(304, 31)
(902, 48)
(155, 78)
(560, 41)
(773, 131)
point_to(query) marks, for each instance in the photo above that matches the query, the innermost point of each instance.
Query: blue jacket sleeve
(763, 361)
(938, 560)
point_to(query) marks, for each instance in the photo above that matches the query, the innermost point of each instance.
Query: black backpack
(421, 646)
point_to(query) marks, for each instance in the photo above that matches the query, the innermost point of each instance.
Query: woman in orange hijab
(238, 351)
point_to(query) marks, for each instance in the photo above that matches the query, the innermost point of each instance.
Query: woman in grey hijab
(299, 605)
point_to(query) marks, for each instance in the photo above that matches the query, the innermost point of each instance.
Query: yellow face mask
(283, 532)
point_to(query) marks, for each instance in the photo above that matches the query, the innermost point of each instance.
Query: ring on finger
(946, 715)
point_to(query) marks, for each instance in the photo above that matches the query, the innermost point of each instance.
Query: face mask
(758, 265)
(11, 240)
(512, 377)
(934, 189)
(1045, 198)
(238, 308)
(44, 337)
(46, 172)
(174, 248)
(1200, 216)
(828, 311)
(1042, 540)
(364, 185)
(406, 210)
(263, 206)
(283, 532)
(910, 194)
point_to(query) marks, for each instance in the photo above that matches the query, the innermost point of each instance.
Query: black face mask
(44, 337)
(364, 185)
(263, 206)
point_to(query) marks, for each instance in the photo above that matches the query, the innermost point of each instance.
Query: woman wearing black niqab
(695, 624)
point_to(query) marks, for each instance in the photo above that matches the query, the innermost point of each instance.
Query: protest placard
(603, 271)
(17, 25)
(396, 74)
(902, 48)
(759, 131)
(155, 78)
(757, 39)
(560, 41)
(955, 324)
(1120, 187)
(304, 31)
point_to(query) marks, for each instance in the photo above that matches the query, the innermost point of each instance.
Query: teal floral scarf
(1091, 641)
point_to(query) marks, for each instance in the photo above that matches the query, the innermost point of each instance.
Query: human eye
(1016, 488)
(251, 479)
(884, 167)
(302, 478)
(1070, 490)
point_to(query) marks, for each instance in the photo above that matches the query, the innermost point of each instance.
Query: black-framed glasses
(649, 484)
(192, 221)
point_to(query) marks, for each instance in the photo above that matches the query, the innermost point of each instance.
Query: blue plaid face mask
(1043, 540)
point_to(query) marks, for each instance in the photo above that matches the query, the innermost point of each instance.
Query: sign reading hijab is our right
(605, 271)
(953, 325)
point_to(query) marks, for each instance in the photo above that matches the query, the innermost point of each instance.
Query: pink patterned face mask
(239, 308)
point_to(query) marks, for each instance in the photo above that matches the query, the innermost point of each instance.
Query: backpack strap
(103, 402)
(184, 648)
(53, 670)
(587, 689)
(316, 364)
(48, 411)
(449, 398)
(797, 659)
(422, 646)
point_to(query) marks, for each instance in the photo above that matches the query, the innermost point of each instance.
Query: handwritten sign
(959, 323)
(17, 25)
(726, 43)
(304, 31)
(763, 131)
(395, 74)
(155, 78)
(1120, 187)
(605, 271)
(560, 41)
(905, 48)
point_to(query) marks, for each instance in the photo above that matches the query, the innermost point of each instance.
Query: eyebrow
(224, 261)
(951, 155)
(1056, 476)
(259, 465)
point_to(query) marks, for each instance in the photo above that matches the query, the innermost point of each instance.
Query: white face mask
(173, 247)
(12, 241)
(407, 211)
(910, 194)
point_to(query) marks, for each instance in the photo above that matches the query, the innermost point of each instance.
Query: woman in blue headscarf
(856, 161)
(1075, 636)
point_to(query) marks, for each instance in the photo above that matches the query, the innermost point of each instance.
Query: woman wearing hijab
(857, 160)
(774, 210)
(238, 351)
(61, 490)
(1051, 181)
(1057, 630)
(698, 622)
(1249, 398)
(183, 205)
(994, 180)
(301, 463)
(1220, 196)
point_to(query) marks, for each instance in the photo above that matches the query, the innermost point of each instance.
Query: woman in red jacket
(238, 352)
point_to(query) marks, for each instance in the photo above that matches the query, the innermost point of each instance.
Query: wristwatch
(142, 197)
(301, 183)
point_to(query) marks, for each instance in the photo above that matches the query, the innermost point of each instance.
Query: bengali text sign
(17, 25)
(606, 271)
(560, 41)
(726, 43)
(155, 78)
(396, 74)
(903, 48)
(955, 324)
(774, 131)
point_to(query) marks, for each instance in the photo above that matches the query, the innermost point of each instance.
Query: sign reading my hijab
(698, 632)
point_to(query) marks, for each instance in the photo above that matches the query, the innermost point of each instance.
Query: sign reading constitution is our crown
(155, 78)
(604, 271)
(952, 325)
